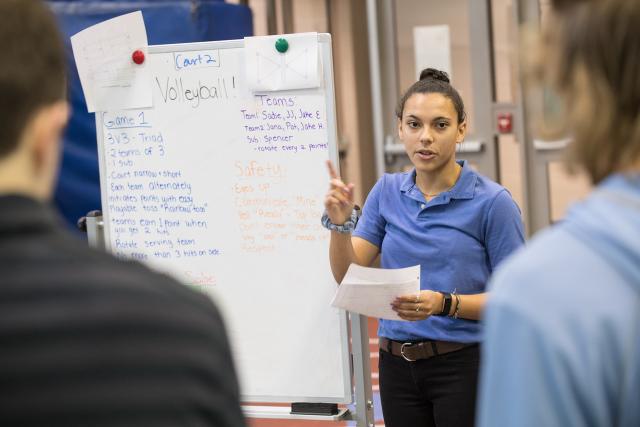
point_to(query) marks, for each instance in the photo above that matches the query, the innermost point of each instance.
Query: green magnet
(282, 45)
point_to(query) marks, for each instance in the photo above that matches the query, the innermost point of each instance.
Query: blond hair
(595, 66)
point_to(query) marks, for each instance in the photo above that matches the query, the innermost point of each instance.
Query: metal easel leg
(95, 230)
(362, 371)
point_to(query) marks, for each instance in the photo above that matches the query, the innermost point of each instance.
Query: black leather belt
(412, 351)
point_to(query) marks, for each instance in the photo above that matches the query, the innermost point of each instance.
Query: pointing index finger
(332, 170)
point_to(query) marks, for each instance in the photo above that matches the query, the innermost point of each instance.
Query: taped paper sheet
(269, 70)
(110, 79)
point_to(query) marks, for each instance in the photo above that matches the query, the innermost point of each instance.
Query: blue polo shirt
(458, 238)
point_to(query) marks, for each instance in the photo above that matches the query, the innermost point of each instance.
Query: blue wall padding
(78, 188)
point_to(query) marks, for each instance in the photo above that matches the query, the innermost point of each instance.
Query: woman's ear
(400, 133)
(462, 131)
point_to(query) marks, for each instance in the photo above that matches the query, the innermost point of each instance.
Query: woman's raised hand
(339, 200)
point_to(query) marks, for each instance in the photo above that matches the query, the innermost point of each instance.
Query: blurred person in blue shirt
(458, 226)
(562, 344)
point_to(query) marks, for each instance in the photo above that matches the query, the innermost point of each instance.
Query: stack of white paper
(370, 291)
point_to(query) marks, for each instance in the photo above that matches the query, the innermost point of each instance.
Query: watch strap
(446, 305)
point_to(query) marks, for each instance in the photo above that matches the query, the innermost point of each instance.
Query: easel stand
(363, 395)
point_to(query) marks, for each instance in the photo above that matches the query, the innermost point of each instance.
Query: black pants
(435, 392)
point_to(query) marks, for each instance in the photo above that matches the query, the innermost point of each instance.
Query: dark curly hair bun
(434, 81)
(432, 73)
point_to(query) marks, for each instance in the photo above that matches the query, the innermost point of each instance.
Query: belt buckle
(402, 352)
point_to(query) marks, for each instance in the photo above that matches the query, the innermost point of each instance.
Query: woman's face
(430, 130)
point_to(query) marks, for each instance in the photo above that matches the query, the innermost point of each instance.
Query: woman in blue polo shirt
(458, 226)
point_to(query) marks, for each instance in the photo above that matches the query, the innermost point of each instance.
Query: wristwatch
(446, 304)
(348, 226)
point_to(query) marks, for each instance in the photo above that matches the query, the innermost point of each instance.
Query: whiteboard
(224, 189)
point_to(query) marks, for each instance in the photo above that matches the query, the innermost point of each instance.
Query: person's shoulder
(555, 271)
(489, 190)
(568, 294)
(543, 257)
(489, 196)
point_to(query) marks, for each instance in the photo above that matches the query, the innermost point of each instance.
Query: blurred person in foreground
(562, 343)
(86, 340)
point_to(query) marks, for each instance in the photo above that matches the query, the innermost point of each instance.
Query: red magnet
(138, 57)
